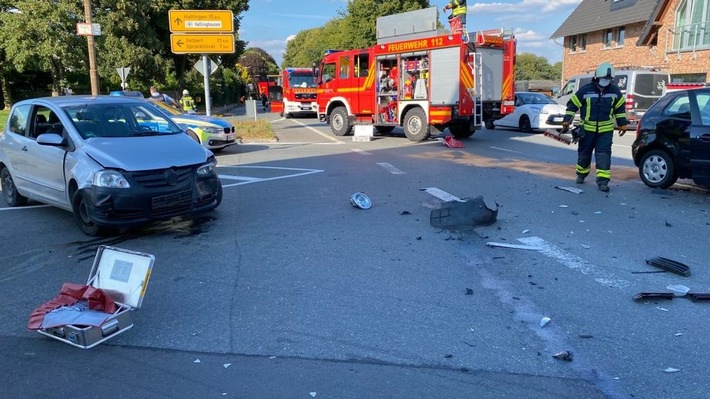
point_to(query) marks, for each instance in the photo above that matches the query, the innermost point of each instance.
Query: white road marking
(311, 128)
(19, 208)
(390, 168)
(441, 194)
(505, 149)
(576, 263)
(278, 120)
(248, 180)
(359, 151)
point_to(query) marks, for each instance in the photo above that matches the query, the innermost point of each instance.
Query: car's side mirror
(51, 139)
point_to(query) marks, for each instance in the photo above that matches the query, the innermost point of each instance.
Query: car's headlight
(213, 129)
(110, 179)
(207, 169)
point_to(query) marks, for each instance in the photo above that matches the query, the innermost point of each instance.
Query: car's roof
(78, 99)
(705, 90)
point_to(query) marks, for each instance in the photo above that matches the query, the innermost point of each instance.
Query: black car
(673, 139)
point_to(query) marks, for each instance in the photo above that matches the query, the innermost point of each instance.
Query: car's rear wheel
(9, 191)
(83, 217)
(524, 124)
(657, 169)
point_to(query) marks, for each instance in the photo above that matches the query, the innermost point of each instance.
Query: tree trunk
(6, 94)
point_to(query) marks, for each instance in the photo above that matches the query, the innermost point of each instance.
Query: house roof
(595, 15)
(652, 25)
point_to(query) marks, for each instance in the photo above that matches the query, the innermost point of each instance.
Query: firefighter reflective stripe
(459, 8)
(576, 102)
(582, 170)
(603, 174)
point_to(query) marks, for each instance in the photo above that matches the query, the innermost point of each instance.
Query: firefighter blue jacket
(598, 107)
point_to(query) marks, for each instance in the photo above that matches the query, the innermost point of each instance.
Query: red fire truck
(423, 84)
(296, 93)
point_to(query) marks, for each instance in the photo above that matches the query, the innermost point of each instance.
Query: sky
(269, 24)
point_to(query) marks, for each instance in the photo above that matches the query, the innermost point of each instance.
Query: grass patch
(258, 130)
(4, 114)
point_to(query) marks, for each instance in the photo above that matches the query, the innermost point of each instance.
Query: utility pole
(93, 75)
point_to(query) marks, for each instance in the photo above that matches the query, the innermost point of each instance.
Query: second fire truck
(296, 93)
(424, 85)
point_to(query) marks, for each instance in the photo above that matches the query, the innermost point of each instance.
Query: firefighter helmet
(185, 92)
(605, 70)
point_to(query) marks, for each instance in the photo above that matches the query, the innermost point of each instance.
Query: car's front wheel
(9, 191)
(657, 169)
(524, 124)
(83, 217)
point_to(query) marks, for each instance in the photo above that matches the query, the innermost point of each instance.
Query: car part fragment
(670, 265)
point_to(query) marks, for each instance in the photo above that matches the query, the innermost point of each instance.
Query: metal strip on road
(391, 168)
(576, 263)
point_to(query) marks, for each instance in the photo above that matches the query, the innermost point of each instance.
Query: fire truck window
(361, 64)
(328, 72)
(344, 67)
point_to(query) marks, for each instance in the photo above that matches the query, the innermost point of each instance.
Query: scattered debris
(226, 365)
(671, 370)
(405, 213)
(360, 200)
(448, 356)
(469, 291)
(468, 212)
(526, 231)
(678, 334)
(585, 246)
(563, 206)
(586, 336)
(678, 290)
(313, 394)
(514, 246)
(451, 142)
(572, 190)
(564, 355)
(668, 224)
(544, 321)
(660, 308)
(197, 361)
(598, 212)
(669, 265)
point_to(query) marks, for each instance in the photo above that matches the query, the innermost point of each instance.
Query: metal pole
(206, 64)
(93, 75)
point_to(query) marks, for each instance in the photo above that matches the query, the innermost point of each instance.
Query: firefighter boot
(603, 186)
(580, 179)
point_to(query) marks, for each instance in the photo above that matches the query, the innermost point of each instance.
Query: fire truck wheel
(416, 126)
(339, 122)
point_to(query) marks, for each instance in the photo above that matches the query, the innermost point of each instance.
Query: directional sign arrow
(179, 43)
(178, 21)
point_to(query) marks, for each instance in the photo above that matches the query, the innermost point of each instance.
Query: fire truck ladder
(476, 71)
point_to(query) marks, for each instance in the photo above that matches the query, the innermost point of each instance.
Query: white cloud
(290, 37)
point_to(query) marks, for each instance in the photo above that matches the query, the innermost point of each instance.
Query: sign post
(123, 73)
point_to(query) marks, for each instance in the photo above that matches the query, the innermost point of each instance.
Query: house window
(620, 34)
(582, 42)
(691, 28)
(572, 44)
(607, 38)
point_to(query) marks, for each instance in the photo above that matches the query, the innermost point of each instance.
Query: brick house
(672, 35)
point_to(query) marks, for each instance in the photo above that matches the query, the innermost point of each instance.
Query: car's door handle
(24, 148)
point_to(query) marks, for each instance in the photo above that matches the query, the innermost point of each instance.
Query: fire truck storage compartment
(444, 67)
(387, 89)
(492, 65)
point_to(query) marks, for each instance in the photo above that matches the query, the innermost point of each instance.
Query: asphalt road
(287, 291)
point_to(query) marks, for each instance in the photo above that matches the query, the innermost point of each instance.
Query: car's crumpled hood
(145, 153)
(200, 120)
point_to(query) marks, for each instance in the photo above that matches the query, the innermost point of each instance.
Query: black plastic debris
(468, 212)
(564, 355)
(669, 265)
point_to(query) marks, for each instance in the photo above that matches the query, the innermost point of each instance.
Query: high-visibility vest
(187, 103)
(460, 7)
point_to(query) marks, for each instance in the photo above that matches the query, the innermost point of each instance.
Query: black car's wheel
(657, 169)
(339, 122)
(384, 129)
(9, 191)
(524, 124)
(416, 126)
(82, 216)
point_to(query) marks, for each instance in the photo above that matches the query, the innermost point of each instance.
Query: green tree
(258, 62)
(532, 67)
(41, 35)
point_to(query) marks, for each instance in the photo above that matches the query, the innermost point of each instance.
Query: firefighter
(187, 103)
(599, 103)
(459, 10)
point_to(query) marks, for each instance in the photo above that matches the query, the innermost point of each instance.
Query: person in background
(187, 103)
(155, 95)
(458, 8)
(264, 101)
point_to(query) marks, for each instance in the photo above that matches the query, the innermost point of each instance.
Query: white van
(641, 87)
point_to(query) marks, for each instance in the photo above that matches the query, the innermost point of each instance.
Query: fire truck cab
(298, 92)
(424, 84)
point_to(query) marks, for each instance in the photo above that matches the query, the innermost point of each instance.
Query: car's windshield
(302, 80)
(535, 98)
(118, 119)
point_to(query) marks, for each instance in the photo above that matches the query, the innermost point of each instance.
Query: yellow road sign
(205, 21)
(202, 44)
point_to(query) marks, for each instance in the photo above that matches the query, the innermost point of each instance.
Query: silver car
(115, 162)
